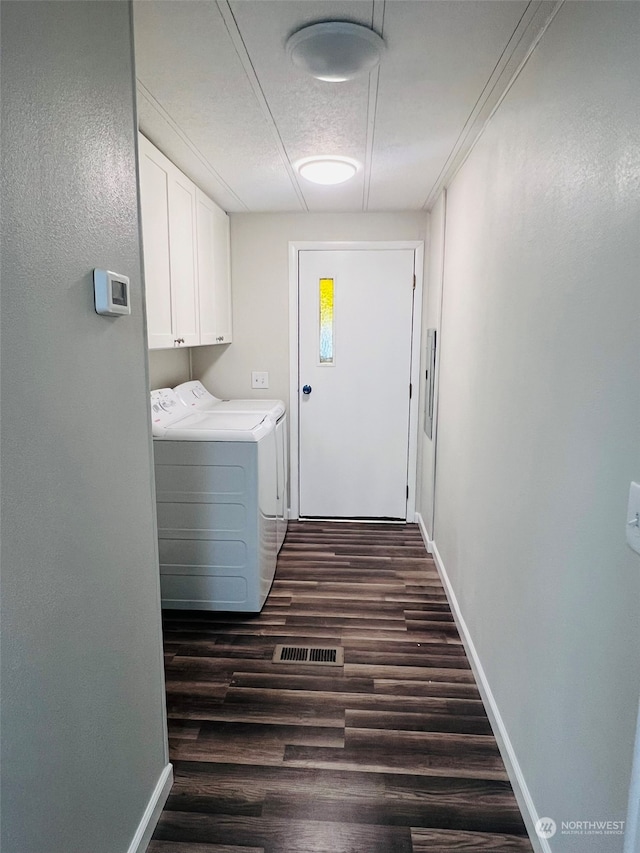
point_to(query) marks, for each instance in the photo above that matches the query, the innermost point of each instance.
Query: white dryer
(196, 397)
(216, 499)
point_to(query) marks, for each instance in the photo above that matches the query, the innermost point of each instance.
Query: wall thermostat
(111, 292)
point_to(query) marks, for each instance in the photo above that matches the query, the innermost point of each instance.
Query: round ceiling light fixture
(327, 170)
(335, 51)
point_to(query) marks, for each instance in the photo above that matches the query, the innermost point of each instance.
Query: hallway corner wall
(539, 410)
(84, 751)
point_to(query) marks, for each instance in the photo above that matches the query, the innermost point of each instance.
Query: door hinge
(407, 492)
(410, 390)
(414, 281)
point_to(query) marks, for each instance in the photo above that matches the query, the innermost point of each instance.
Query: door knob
(306, 389)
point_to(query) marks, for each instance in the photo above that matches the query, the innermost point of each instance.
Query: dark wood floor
(391, 753)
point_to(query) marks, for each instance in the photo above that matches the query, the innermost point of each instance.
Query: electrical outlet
(259, 379)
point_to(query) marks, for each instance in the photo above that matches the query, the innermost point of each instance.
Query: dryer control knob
(306, 389)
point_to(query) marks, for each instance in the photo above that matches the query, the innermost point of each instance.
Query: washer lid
(194, 395)
(217, 426)
(275, 408)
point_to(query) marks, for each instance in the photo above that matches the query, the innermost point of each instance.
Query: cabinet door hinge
(407, 492)
(414, 281)
(410, 390)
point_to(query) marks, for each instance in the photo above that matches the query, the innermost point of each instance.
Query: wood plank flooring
(391, 753)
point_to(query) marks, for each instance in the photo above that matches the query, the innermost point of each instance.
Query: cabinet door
(183, 261)
(214, 285)
(154, 198)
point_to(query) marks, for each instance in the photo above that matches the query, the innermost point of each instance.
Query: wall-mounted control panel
(430, 383)
(111, 293)
(633, 517)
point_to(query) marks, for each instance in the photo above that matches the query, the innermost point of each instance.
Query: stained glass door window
(326, 320)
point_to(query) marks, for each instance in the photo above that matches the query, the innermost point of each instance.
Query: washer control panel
(195, 395)
(166, 408)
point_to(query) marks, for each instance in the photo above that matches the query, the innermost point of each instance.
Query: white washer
(196, 397)
(216, 500)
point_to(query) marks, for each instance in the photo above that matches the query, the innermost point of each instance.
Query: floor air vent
(332, 656)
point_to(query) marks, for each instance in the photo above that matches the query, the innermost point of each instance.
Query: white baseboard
(632, 823)
(514, 771)
(152, 812)
(428, 543)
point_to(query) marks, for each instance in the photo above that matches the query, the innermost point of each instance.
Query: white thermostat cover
(111, 293)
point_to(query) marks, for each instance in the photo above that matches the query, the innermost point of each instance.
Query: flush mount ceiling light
(335, 51)
(327, 170)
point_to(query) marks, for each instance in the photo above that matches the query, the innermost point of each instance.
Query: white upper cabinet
(154, 200)
(168, 203)
(184, 261)
(214, 284)
(185, 237)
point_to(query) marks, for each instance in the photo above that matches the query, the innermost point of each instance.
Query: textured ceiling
(218, 95)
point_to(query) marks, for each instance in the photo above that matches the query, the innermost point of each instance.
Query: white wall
(168, 367)
(539, 412)
(260, 280)
(83, 731)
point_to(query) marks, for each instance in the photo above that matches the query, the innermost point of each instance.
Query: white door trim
(295, 247)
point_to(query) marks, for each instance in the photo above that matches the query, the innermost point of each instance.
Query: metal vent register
(327, 656)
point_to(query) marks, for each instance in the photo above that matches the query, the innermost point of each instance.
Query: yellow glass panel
(326, 321)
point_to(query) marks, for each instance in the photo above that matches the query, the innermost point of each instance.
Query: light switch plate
(633, 518)
(259, 379)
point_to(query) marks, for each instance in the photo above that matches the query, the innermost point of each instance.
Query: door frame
(297, 246)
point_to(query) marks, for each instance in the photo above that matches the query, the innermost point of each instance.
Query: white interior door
(355, 336)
